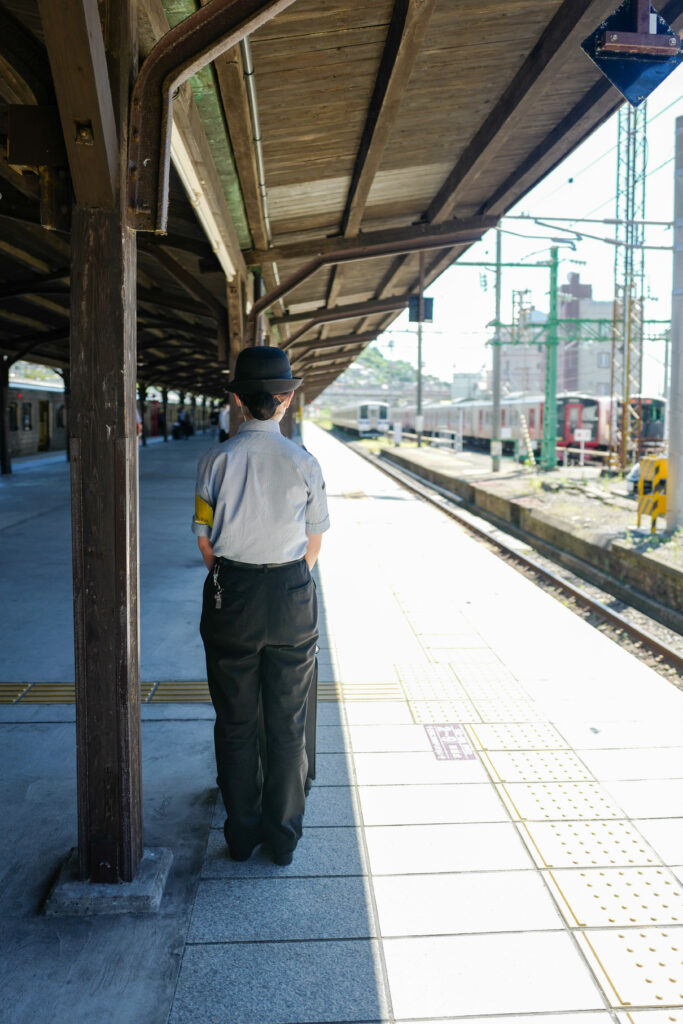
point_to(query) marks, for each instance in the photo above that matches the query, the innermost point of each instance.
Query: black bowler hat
(263, 368)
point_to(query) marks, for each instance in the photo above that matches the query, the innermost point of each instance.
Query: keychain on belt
(217, 587)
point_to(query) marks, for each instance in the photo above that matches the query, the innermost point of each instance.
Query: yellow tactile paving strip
(64, 693)
(585, 844)
(11, 692)
(624, 906)
(335, 691)
(182, 692)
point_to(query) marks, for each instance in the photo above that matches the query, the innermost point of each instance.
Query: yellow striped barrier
(652, 488)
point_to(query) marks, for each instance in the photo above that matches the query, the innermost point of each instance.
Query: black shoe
(241, 851)
(282, 858)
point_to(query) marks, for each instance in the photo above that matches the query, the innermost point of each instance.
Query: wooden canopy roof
(383, 128)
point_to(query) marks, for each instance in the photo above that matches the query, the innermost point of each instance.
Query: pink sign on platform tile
(450, 742)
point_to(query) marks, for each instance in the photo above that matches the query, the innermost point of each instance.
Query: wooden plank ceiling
(374, 117)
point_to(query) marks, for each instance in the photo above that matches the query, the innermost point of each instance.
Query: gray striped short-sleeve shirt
(258, 495)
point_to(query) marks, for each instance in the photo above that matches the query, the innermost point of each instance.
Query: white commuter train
(371, 417)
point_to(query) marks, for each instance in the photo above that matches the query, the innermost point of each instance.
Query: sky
(583, 185)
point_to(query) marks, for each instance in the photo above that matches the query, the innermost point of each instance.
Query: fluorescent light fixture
(187, 172)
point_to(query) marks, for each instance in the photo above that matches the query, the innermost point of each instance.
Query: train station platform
(495, 832)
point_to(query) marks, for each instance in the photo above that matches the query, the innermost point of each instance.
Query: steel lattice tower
(629, 281)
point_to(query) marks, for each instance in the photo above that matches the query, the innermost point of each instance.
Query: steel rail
(425, 491)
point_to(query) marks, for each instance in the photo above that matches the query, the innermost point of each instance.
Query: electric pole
(496, 442)
(420, 317)
(674, 484)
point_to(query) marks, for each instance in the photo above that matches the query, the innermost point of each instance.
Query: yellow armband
(203, 513)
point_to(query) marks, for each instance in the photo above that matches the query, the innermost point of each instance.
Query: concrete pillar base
(70, 896)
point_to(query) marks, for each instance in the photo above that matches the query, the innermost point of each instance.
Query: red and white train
(472, 420)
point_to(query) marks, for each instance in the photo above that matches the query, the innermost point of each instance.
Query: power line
(607, 152)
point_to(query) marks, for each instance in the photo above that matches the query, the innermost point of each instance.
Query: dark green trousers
(260, 646)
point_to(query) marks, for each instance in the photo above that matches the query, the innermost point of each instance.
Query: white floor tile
(388, 738)
(460, 904)
(488, 974)
(665, 835)
(385, 712)
(413, 768)
(660, 798)
(415, 849)
(428, 805)
(648, 763)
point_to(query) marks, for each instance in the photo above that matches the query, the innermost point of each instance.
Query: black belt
(251, 565)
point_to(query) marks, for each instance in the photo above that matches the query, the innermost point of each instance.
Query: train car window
(532, 419)
(13, 416)
(604, 360)
(363, 412)
(60, 417)
(26, 416)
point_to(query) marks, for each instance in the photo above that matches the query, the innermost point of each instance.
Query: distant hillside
(374, 370)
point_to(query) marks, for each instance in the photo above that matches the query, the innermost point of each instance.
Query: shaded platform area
(496, 829)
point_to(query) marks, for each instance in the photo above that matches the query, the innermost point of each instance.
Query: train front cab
(577, 412)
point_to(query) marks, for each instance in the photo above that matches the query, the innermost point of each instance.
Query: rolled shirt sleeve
(202, 522)
(317, 518)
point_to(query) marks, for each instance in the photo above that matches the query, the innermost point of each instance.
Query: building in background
(466, 385)
(584, 342)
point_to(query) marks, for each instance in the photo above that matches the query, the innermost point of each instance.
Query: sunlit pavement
(496, 827)
(494, 815)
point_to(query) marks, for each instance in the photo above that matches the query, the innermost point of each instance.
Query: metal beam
(394, 240)
(324, 315)
(33, 285)
(73, 35)
(572, 22)
(406, 32)
(418, 239)
(184, 278)
(21, 50)
(347, 339)
(160, 297)
(229, 69)
(184, 50)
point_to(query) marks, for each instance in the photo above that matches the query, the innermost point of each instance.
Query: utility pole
(496, 442)
(674, 485)
(549, 444)
(420, 318)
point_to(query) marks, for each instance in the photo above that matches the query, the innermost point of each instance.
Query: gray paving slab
(171, 572)
(321, 851)
(113, 970)
(331, 739)
(333, 770)
(325, 806)
(270, 983)
(279, 909)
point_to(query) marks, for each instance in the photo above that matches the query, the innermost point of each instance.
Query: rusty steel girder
(178, 55)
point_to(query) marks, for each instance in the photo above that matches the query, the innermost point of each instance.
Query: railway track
(644, 635)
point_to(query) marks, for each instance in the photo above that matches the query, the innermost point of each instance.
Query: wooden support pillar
(193, 412)
(164, 412)
(104, 459)
(5, 458)
(66, 377)
(104, 493)
(142, 400)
